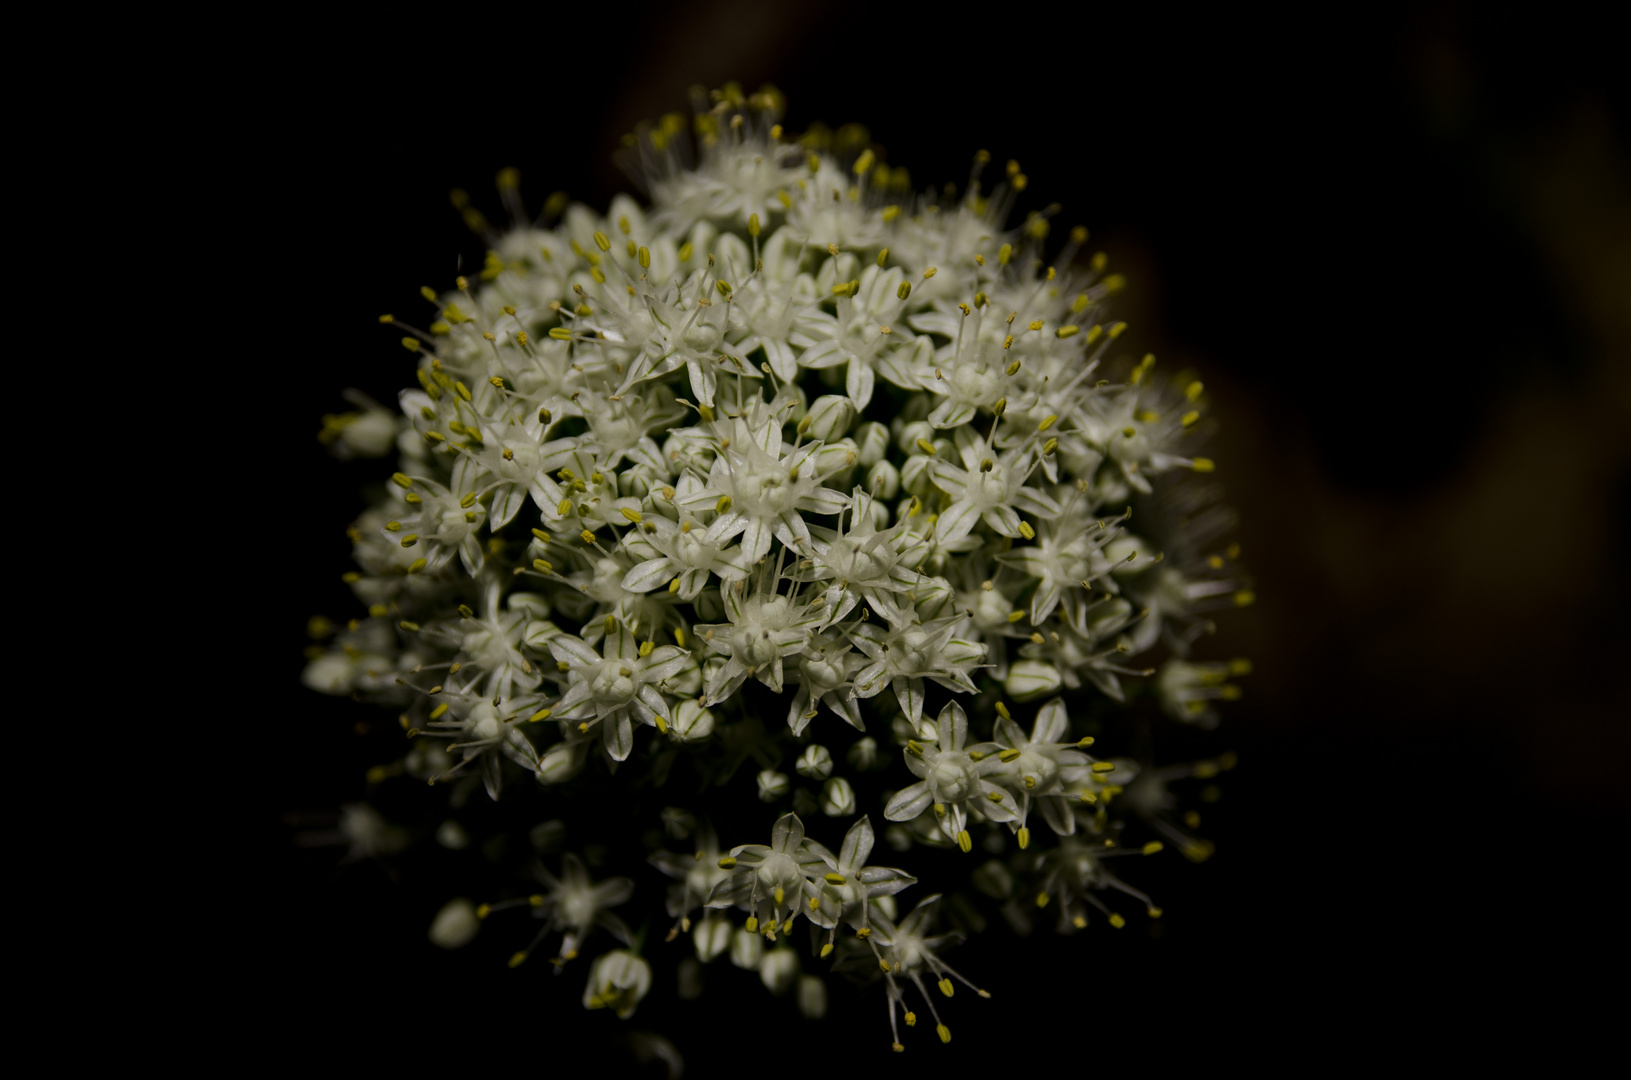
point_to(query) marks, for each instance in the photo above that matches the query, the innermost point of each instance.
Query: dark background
(1396, 243)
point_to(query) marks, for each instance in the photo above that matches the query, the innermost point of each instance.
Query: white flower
(951, 781)
(989, 486)
(773, 882)
(622, 681)
(1188, 689)
(904, 656)
(759, 488)
(1031, 767)
(845, 893)
(764, 630)
(908, 951)
(573, 904)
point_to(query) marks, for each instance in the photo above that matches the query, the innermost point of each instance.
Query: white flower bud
(864, 754)
(617, 981)
(883, 480)
(455, 925)
(914, 475)
(562, 762)
(711, 937)
(836, 461)
(692, 722)
(830, 418)
(778, 970)
(747, 948)
(772, 785)
(815, 762)
(871, 442)
(1029, 679)
(1129, 555)
(812, 997)
(910, 433)
(369, 434)
(837, 797)
(331, 673)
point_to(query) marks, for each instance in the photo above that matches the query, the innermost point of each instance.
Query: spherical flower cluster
(790, 455)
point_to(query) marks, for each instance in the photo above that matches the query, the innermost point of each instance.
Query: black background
(1393, 239)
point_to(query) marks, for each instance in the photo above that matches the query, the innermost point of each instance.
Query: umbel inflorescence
(790, 503)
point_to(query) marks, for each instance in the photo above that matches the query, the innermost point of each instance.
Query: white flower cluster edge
(789, 426)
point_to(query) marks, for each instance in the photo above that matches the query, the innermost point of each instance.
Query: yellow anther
(1042, 899)
(646, 647)
(674, 587)
(910, 1017)
(1049, 447)
(826, 951)
(564, 508)
(560, 333)
(1202, 464)
(940, 809)
(1000, 407)
(1244, 598)
(883, 257)
(864, 932)
(994, 796)
(541, 714)
(588, 536)
(905, 290)
(1152, 847)
(1129, 432)
(728, 863)
(679, 636)
(1154, 912)
(1013, 369)
(723, 505)
(1024, 838)
(941, 1029)
(632, 515)
(927, 447)
(601, 242)
(965, 842)
(1005, 254)
(724, 288)
(1026, 531)
(884, 964)
(815, 905)
(835, 879)
(896, 1047)
(1008, 755)
(1104, 766)
(411, 627)
(1084, 742)
(780, 894)
(439, 711)
(1191, 418)
(1117, 921)
(1036, 324)
(946, 987)
(753, 920)
(1008, 342)
(864, 162)
(484, 910)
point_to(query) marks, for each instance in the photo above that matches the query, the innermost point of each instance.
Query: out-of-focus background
(1395, 242)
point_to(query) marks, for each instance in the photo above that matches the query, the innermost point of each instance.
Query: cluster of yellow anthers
(790, 437)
